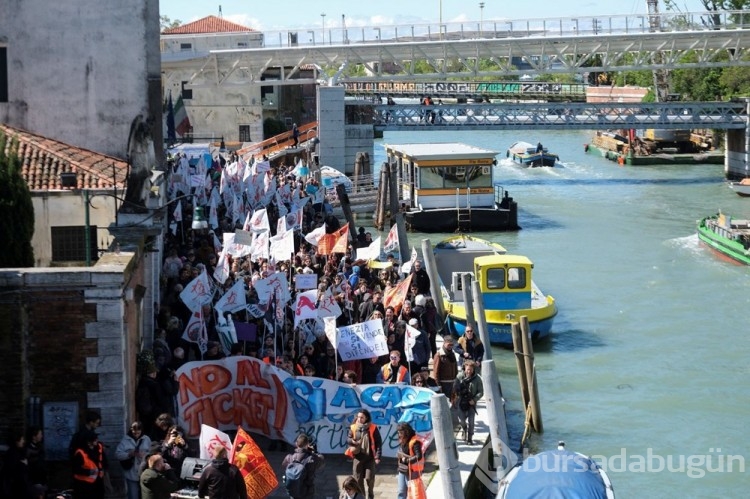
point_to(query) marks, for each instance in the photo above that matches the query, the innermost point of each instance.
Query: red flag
(395, 296)
(260, 479)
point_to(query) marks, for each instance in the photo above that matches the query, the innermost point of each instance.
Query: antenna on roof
(220, 14)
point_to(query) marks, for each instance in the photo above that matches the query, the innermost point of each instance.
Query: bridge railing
(550, 115)
(509, 28)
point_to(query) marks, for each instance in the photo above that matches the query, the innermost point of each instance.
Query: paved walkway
(329, 480)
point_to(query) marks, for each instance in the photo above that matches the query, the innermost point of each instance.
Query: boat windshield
(516, 278)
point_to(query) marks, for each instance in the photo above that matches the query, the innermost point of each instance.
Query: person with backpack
(364, 446)
(222, 480)
(469, 390)
(300, 468)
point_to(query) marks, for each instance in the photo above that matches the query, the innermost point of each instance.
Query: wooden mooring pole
(430, 266)
(515, 329)
(466, 279)
(528, 356)
(382, 200)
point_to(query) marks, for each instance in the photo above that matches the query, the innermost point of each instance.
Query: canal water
(647, 366)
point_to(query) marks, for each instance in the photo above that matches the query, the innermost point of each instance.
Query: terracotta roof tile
(43, 160)
(210, 24)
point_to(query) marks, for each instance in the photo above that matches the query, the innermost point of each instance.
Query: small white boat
(529, 155)
(556, 474)
(742, 187)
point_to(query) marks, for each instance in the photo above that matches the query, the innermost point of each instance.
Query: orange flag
(342, 239)
(395, 296)
(259, 476)
(325, 244)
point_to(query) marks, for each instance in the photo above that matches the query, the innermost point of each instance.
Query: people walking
(445, 367)
(221, 480)
(131, 452)
(300, 480)
(469, 390)
(470, 347)
(410, 458)
(364, 446)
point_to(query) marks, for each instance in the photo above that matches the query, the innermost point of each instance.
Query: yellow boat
(506, 284)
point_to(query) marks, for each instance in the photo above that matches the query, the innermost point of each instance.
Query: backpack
(464, 395)
(297, 477)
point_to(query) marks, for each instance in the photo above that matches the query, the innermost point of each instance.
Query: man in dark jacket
(305, 453)
(222, 480)
(158, 481)
(421, 278)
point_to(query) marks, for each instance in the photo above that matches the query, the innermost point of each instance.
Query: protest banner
(211, 440)
(243, 237)
(266, 400)
(306, 281)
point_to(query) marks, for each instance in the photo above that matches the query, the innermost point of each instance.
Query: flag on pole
(304, 306)
(259, 475)
(411, 340)
(181, 120)
(342, 240)
(391, 241)
(314, 235)
(282, 246)
(171, 137)
(227, 332)
(211, 440)
(330, 330)
(195, 331)
(234, 299)
(328, 306)
(197, 292)
(395, 296)
(177, 214)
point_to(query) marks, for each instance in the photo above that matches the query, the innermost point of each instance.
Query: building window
(187, 93)
(3, 74)
(69, 244)
(245, 133)
(186, 47)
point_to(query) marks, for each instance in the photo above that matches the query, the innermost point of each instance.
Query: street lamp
(323, 19)
(481, 17)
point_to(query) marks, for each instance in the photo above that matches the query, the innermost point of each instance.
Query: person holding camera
(468, 390)
(174, 448)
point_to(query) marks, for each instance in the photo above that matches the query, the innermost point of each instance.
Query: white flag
(259, 221)
(178, 212)
(211, 440)
(197, 292)
(328, 306)
(226, 331)
(411, 340)
(372, 252)
(195, 331)
(221, 272)
(330, 329)
(234, 299)
(281, 225)
(391, 241)
(314, 236)
(304, 307)
(259, 248)
(282, 246)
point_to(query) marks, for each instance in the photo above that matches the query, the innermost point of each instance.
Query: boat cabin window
(450, 177)
(516, 278)
(495, 278)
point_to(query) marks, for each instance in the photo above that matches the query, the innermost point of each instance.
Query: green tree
(167, 23)
(16, 209)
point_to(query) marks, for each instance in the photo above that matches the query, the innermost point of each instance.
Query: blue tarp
(557, 474)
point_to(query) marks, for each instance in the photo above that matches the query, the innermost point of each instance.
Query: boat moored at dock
(447, 187)
(506, 284)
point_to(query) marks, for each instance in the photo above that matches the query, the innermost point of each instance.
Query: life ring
(585, 148)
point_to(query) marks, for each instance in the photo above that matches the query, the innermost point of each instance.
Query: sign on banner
(306, 281)
(211, 440)
(362, 341)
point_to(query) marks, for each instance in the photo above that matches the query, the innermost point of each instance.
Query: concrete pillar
(331, 127)
(445, 446)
